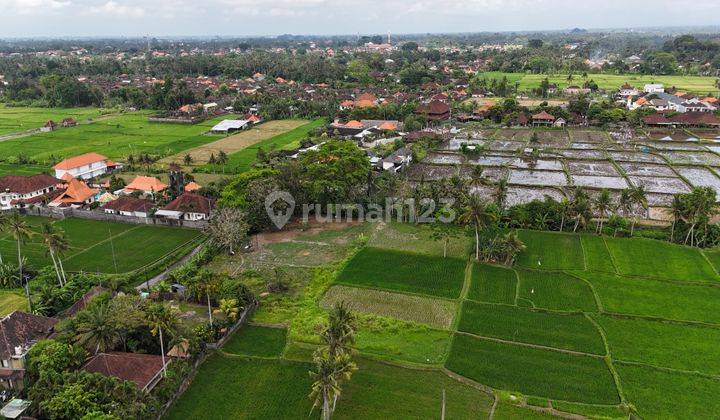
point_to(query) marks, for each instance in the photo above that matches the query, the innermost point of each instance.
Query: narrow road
(162, 276)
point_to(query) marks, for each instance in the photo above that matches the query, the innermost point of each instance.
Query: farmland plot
(592, 168)
(493, 284)
(701, 177)
(640, 169)
(551, 251)
(637, 157)
(556, 291)
(537, 178)
(444, 159)
(660, 185)
(521, 195)
(590, 181)
(692, 158)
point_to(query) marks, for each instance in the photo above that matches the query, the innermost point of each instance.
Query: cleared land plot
(638, 157)
(609, 182)
(592, 168)
(11, 301)
(406, 272)
(551, 251)
(259, 389)
(408, 237)
(380, 390)
(588, 136)
(237, 142)
(597, 255)
(14, 119)
(644, 169)
(655, 298)
(657, 259)
(493, 284)
(658, 394)
(537, 178)
(254, 340)
(115, 137)
(437, 313)
(558, 291)
(569, 332)
(99, 246)
(243, 160)
(701, 177)
(692, 158)
(660, 185)
(533, 371)
(583, 154)
(521, 195)
(677, 346)
(444, 158)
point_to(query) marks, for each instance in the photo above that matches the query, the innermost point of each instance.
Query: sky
(131, 18)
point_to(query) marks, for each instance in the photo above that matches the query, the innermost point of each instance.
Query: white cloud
(35, 7)
(114, 9)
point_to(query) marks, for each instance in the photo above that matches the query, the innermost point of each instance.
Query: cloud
(114, 9)
(34, 7)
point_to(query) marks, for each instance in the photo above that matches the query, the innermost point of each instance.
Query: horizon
(35, 19)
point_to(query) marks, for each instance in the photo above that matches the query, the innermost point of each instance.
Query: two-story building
(18, 191)
(87, 166)
(19, 331)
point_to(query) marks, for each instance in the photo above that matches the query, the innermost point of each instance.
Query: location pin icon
(279, 214)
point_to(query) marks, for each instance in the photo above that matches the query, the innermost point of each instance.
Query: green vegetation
(254, 340)
(394, 340)
(661, 394)
(597, 255)
(493, 284)
(115, 137)
(20, 119)
(244, 159)
(417, 239)
(553, 290)
(533, 371)
(658, 259)
(694, 348)
(563, 331)
(437, 313)
(100, 246)
(11, 300)
(406, 272)
(551, 251)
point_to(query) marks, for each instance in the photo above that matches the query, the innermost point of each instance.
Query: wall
(62, 213)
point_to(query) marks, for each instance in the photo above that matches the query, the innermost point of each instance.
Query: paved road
(162, 276)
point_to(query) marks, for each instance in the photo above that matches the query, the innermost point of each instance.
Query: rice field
(19, 119)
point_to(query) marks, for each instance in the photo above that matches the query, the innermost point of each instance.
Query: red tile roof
(543, 116)
(129, 203)
(27, 184)
(142, 369)
(78, 161)
(23, 329)
(190, 203)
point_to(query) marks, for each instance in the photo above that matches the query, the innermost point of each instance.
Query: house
(69, 122)
(19, 331)
(543, 118)
(560, 122)
(689, 119)
(144, 370)
(366, 100)
(77, 194)
(349, 128)
(654, 88)
(49, 126)
(397, 160)
(19, 191)
(192, 186)
(576, 90)
(129, 206)
(434, 110)
(89, 165)
(229, 126)
(146, 185)
(627, 91)
(188, 206)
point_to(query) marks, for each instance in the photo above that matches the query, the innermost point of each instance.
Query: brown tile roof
(543, 116)
(142, 369)
(83, 301)
(27, 184)
(434, 108)
(190, 203)
(129, 203)
(23, 329)
(78, 161)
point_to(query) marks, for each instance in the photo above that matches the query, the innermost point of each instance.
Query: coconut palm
(340, 332)
(205, 283)
(21, 232)
(478, 213)
(56, 243)
(96, 329)
(512, 245)
(161, 318)
(501, 191)
(677, 210)
(602, 204)
(564, 209)
(330, 372)
(638, 197)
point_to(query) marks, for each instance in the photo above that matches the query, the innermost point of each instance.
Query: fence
(63, 213)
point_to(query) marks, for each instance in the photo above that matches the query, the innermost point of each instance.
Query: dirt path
(162, 276)
(237, 142)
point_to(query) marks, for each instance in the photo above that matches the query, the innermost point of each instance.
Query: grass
(93, 244)
(405, 272)
(418, 239)
(389, 339)
(244, 159)
(115, 137)
(563, 331)
(658, 394)
(238, 387)
(656, 298)
(557, 291)
(380, 390)
(533, 371)
(11, 300)
(254, 340)
(597, 255)
(18, 119)
(656, 259)
(694, 348)
(438, 313)
(24, 170)
(697, 84)
(551, 251)
(507, 411)
(493, 284)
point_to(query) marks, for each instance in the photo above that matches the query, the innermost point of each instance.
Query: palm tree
(187, 159)
(161, 318)
(222, 159)
(205, 283)
(564, 209)
(56, 244)
(21, 232)
(677, 209)
(626, 203)
(327, 377)
(638, 197)
(340, 332)
(501, 191)
(582, 213)
(602, 204)
(480, 215)
(96, 329)
(512, 245)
